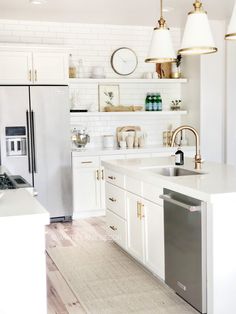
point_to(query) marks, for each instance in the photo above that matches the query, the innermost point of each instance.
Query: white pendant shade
(231, 31)
(197, 38)
(161, 48)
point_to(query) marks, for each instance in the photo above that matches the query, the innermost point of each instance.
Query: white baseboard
(88, 214)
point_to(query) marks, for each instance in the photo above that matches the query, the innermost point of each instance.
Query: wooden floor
(61, 299)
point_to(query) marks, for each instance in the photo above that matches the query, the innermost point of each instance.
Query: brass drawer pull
(113, 228)
(111, 177)
(30, 75)
(35, 75)
(112, 199)
(86, 162)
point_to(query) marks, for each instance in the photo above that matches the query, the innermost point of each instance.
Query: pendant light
(161, 49)
(197, 38)
(231, 32)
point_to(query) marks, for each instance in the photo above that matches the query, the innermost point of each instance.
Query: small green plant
(110, 96)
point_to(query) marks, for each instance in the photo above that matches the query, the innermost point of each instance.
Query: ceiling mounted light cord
(161, 48)
(197, 38)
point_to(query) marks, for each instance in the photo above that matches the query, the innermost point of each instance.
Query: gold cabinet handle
(86, 162)
(113, 228)
(97, 175)
(138, 210)
(102, 174)
(111, 177)
(35, 75)
(30, 75)
(140, 213)
(112, 199)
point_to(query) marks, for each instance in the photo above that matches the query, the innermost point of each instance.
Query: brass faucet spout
(198, 159)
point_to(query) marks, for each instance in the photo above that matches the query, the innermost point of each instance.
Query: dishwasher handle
(188, 207)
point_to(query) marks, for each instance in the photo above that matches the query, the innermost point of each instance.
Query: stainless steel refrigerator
(35, 142)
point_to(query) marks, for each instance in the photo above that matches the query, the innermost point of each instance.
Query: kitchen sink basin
(173, 171)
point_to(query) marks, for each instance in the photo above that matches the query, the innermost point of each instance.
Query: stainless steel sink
(173, 171)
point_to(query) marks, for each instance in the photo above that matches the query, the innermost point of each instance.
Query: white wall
(231, 103)
(213, 98)
(94, 44)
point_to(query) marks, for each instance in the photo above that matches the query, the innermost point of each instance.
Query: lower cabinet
(116, 228)
(140, 231)
(135, 226)
(88, 180)
(154, 237)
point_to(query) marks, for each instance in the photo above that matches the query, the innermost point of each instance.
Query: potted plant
(175, 67)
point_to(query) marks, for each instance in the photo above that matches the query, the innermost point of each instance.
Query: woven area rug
(106, 281)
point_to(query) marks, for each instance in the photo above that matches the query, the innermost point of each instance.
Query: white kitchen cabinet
(33, 67)
(50, 68)
(116, 228)
(86, 200)
(135, 230)
(154, 238)
(15, 67)
(86, 173)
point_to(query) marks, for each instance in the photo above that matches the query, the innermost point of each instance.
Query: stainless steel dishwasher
(185, 247)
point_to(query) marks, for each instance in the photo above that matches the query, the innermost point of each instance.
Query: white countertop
(216, 179)
(20, 206)
(95, 151)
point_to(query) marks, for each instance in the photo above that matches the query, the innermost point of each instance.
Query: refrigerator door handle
(33, 142)
(28, 141)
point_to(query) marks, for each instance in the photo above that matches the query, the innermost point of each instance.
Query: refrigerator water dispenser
(15, 141)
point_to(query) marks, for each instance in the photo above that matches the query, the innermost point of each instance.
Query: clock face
(124, 61)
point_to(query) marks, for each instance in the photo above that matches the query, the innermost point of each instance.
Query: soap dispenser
(179, 157)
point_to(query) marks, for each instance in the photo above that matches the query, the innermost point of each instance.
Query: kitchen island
(135, 218)
(22, 242)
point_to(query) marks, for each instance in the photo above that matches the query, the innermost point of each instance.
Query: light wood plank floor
(61, 299)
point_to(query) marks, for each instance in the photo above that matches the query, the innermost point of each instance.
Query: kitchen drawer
(85, 162)
(116, 228)
(115, 199)
(134, 186)
(152, 193)
(115, 178)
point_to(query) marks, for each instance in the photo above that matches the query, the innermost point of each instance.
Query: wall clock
(124, 61)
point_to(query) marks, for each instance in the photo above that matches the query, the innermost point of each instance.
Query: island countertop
(213, 179)
(216, 186)
(19, 205)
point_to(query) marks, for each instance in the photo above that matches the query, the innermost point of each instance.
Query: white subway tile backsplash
(94, 44)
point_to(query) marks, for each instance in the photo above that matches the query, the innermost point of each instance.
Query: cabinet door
(86, 189)
(50, 68)
(15, 67)
(108, 157)
(135, 227)
(154, 238)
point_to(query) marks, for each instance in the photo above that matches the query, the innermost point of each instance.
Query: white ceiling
(126, 12)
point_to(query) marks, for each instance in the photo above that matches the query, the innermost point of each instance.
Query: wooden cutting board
(126, 129)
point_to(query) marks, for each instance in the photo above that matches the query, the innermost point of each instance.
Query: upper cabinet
(33, 67)
(50, 68)
(15, 67)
